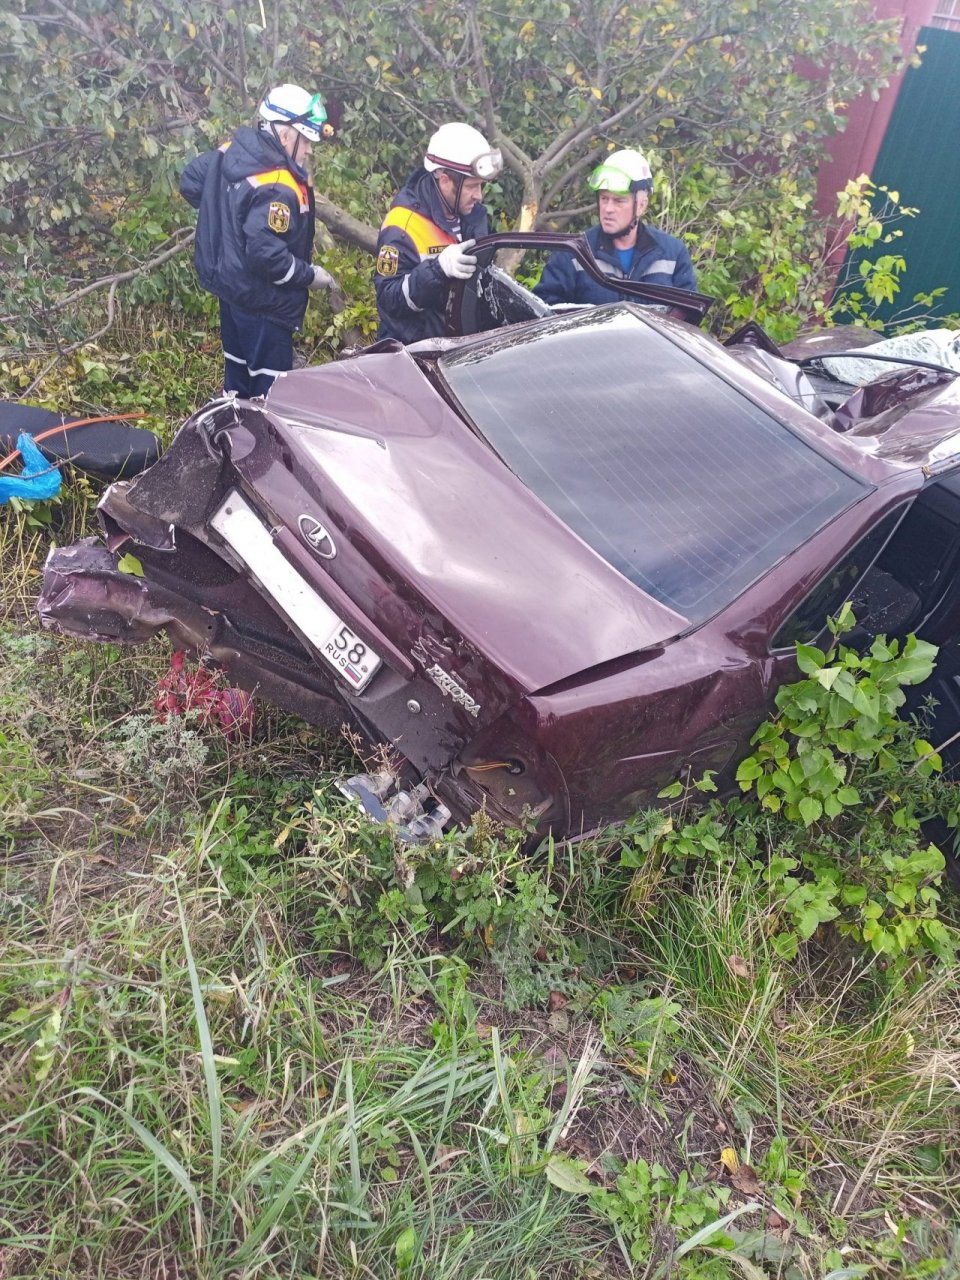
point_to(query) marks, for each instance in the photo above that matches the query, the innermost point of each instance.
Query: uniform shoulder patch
(388, 259)
(278, 216)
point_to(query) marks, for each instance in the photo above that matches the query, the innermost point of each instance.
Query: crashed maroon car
(554, 561)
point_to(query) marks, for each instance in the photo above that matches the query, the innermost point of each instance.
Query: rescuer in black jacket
(255, 235)
(425, 237)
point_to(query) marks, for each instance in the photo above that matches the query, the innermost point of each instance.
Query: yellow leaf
(635, 1068)
(191, 31)
(570, 68)
(596, 92)
(728, 1158)
(372, 62)
(669, 1078)
(527, 30)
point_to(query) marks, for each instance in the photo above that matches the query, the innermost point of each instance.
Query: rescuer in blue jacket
(425, 238)
(625, 247)
(255, 235)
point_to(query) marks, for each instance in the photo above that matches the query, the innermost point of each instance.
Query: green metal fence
(920, 159)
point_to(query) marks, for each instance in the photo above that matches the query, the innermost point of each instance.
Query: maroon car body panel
(520, 671)
(487, 557)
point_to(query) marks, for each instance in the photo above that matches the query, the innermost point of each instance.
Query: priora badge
(316, 536)
(451, 689)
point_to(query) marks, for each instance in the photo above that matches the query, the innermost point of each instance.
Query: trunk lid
(406, 488)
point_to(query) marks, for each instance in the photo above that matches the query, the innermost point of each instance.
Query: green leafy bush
(470, 886)
(835, 796)
(648, 1203)
(840, 765)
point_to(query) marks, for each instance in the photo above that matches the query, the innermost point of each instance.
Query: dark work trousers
(255, 350)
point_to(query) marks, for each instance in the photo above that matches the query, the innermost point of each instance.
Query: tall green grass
(191, 1086)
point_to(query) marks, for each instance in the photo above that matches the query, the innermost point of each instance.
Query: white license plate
(351, 656)
(240, 526)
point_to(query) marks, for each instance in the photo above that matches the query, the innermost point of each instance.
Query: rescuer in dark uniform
(434, 220)
(255, 234)
(625, 247)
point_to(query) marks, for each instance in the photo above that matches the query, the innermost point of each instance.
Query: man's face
(297, 147)
(617, 212)
(471, 192)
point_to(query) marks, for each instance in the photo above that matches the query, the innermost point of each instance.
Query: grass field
(243, 1035)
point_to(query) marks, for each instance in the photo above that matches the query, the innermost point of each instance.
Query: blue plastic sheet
(37, 480)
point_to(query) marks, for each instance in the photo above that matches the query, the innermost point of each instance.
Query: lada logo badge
(317, 537)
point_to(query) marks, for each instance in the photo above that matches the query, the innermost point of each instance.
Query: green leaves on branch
(839, 763)
(843, 715)
(829, 825)
(112, 98)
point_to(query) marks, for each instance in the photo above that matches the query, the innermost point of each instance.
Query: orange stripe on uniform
(281, 178)
(427, 237)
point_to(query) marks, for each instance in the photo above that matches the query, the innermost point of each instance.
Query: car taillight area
(505, 772)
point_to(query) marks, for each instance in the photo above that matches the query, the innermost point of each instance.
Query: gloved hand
(455, 263)
(322, 280)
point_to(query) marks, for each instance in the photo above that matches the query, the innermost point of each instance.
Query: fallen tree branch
(81, 342)
(120, 277)
(344, 226)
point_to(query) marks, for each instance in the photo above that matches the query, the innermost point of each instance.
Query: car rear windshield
(677, 479)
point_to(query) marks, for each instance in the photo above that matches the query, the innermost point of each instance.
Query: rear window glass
(679, 481)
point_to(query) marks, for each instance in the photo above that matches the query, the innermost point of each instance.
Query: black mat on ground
(109, 450)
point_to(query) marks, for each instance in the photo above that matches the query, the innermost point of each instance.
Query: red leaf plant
(202, 691)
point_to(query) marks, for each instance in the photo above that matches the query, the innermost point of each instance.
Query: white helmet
(305, 112)
(462, 149)
(622, 173)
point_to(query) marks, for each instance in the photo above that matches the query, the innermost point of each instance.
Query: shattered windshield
(673, 476)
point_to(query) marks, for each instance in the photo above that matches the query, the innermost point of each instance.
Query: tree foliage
(105, 101)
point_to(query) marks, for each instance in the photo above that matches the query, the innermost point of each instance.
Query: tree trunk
(510, 259)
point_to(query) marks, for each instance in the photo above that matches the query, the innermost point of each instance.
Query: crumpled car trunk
(329, 561)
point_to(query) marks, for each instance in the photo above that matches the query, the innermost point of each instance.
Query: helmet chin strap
(459, 178)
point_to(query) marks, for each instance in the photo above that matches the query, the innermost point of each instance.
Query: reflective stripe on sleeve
(405, 289)
(284, 279)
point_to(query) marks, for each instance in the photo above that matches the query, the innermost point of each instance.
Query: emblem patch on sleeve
(278, 218)
(388, 259)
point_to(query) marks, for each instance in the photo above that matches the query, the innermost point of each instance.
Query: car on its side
(554, 564)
